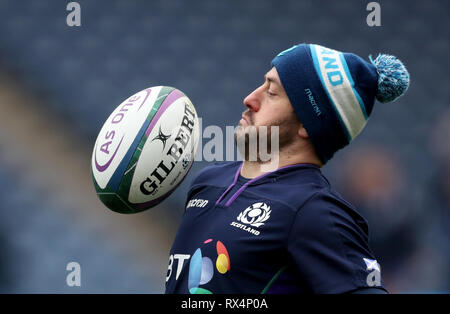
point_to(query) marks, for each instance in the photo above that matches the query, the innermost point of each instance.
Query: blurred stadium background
(58, 84)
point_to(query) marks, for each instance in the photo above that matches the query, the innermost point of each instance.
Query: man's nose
(253, 101)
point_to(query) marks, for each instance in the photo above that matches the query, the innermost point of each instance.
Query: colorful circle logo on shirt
(201, 268)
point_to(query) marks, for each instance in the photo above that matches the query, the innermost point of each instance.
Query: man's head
(320, 98)
(333, 93)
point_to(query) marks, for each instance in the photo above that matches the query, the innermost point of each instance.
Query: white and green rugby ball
(145, 149)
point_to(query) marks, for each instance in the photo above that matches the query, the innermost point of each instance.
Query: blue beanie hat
(333, 93)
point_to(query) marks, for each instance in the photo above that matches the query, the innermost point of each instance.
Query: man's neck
(253, 169)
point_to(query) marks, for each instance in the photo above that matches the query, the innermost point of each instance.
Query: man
(245, 230)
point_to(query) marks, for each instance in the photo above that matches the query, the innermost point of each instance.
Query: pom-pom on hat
(333, 93)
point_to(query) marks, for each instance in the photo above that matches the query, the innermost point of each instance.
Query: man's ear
(302, 132)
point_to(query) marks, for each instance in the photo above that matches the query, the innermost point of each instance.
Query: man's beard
(264, 143)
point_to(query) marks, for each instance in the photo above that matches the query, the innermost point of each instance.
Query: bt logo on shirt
(201, 268)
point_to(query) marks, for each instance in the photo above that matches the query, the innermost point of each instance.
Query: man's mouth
(245, 121)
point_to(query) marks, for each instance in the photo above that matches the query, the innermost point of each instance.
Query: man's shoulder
(327, 205)
(315, 199)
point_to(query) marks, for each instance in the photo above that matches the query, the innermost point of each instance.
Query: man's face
(267, 106)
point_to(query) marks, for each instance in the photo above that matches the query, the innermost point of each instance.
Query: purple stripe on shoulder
(236, 176)
(242, 188)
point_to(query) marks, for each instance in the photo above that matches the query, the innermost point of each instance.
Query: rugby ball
(145, 149)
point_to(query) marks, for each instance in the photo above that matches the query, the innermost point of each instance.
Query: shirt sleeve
(328, 243)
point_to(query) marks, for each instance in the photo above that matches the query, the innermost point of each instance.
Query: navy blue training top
(285, 231)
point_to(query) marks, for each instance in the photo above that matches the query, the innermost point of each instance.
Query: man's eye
(270, 93)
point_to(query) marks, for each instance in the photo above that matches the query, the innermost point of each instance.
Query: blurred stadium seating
(216, 52)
